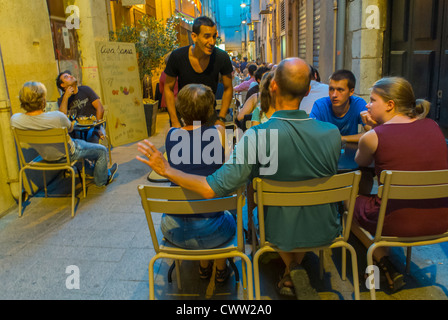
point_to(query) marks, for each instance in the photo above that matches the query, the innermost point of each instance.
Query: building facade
(40, 38)
(373, 38)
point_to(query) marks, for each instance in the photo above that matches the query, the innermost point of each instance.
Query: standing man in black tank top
(200, 63)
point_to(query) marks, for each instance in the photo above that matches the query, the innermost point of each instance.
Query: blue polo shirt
(348, 124)
(288, 147)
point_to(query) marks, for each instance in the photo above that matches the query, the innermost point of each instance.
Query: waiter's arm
(168, 91)
(227, 95)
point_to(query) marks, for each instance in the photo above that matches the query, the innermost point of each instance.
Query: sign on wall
(132, 2)
(122, 92)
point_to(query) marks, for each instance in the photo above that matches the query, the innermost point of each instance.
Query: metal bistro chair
(334, 189)
(176, 200)
(406, 185)
(47, 137)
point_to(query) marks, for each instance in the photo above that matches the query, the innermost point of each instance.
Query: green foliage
(153, 40)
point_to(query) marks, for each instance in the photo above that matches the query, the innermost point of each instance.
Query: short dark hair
(344, 75)
(260, 71)
(252, 68)
(314, 74)
(195, 102)
(202, 21)
(59, 81)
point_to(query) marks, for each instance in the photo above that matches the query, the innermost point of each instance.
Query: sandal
(301, 282)
(394, 278)
(221, 276)
(205, 273)
(283, 289)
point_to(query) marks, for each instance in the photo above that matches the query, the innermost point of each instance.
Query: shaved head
(293, 78)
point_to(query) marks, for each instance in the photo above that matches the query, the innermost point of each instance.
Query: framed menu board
(122, 94)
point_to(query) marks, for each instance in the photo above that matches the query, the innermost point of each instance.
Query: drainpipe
(341, 34)
(335, 21)
(8, 140)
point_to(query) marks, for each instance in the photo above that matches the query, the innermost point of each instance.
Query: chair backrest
(36, 138)
(409, 185)
(333, 189)
(177, 200)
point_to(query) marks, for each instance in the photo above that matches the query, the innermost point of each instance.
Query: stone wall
(365, 27)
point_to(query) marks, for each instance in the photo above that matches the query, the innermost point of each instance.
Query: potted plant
(153, 40)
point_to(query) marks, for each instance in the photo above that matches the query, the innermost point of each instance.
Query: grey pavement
(108, 242)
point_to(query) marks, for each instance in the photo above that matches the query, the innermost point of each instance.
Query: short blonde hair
(32, 96)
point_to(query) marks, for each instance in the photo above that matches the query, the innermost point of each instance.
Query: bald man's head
(293, 78)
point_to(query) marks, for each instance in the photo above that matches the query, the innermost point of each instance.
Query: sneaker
(112, 172)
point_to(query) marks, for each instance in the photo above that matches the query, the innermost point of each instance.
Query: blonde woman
(401, 139)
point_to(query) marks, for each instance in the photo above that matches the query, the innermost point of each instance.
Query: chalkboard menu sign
(122, 94)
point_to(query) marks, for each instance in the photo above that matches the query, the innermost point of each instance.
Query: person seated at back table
(265, 108)
(254, 87)
(244, 86)
(80, 101)
(32, 98)
(401, 139)
(251, 104)
(318, 90)
(342, 108)
(313, 145)
(195, 105)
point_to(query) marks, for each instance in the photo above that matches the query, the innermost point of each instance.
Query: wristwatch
(222, 119)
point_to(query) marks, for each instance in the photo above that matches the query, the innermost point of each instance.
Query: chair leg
(179, 284)
(370, 263)
(244, 271)
(20, 191)
(84, 187)
(256, 267)
(73, 191)
(247, 275)
(408, 260)
(344, 263)
(354, 271)
(151, 278)
(45, 183)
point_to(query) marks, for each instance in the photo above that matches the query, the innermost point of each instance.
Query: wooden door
(443, 75)
(416, 30)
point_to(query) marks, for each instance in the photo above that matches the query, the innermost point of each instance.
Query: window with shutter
(302, 29)
(316, 33)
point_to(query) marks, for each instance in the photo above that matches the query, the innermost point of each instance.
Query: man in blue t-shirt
(342, 108)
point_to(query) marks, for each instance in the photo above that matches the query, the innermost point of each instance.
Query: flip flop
(283, 289)
(301, 282)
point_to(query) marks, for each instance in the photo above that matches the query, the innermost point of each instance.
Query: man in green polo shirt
(297, 148)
